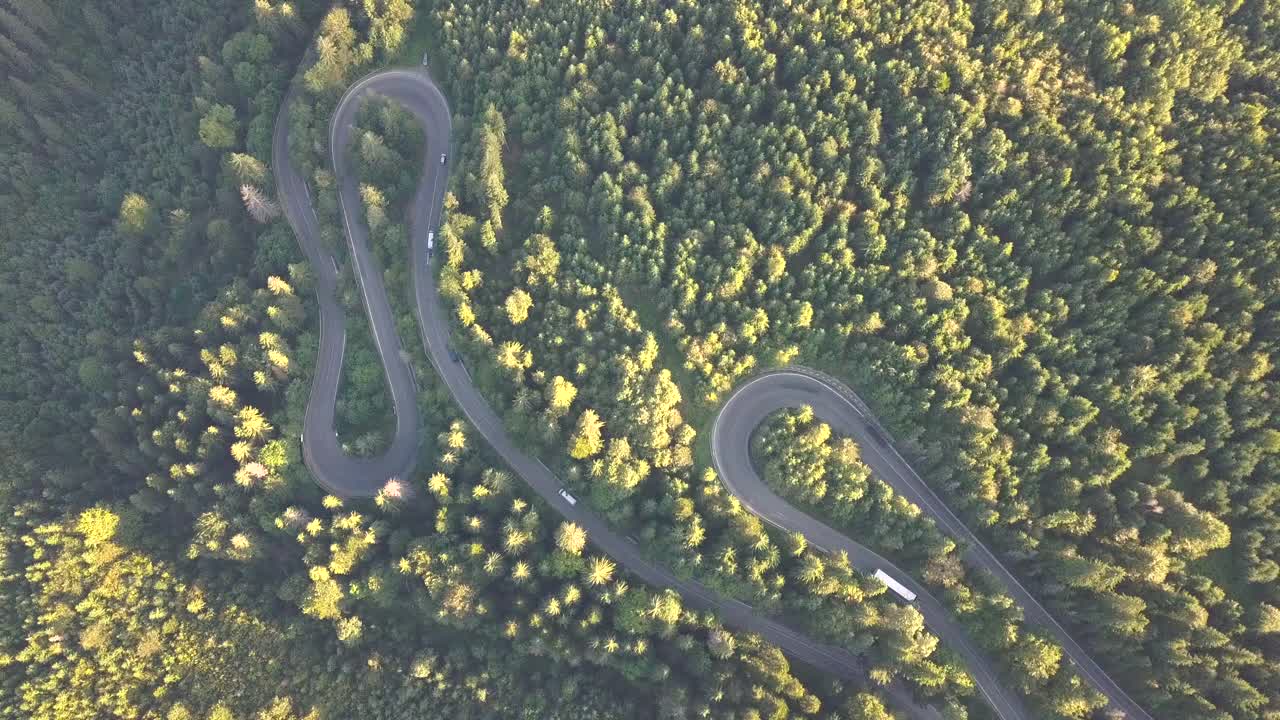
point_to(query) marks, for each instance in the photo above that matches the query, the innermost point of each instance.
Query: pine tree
(248, 169)
(219, 127)
(587, 439)
(136, 216)
(560, 395)
(517, 306)
(571, 538)
(600, 571)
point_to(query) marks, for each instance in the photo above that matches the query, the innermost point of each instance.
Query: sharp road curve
(333, 468)
(741, 414)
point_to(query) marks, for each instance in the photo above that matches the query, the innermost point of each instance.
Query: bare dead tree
(260, 207)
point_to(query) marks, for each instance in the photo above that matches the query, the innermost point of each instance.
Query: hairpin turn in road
(833, 402)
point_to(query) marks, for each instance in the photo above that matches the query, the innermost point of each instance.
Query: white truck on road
(431, 242)
(567, 497)
(895, 586)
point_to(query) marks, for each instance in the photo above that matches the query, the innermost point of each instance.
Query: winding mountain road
(336, 471)
(836, 404)
(741, 414)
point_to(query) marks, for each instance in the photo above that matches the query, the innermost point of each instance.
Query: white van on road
(895, 586)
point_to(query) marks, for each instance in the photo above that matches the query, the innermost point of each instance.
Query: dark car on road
(879, 436)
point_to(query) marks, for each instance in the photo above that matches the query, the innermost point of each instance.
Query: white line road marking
(924, 495)
(435, 333)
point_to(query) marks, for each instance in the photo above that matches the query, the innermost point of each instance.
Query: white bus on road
(895, 586)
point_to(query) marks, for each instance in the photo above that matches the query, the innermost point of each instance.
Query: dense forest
(1040, 240)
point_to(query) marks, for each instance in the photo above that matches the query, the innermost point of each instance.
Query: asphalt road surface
(835, 404)
(334, 469)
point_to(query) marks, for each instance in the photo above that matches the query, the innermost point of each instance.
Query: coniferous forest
(1041, 240)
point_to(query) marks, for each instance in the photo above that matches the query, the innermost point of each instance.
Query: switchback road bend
(742, 413)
